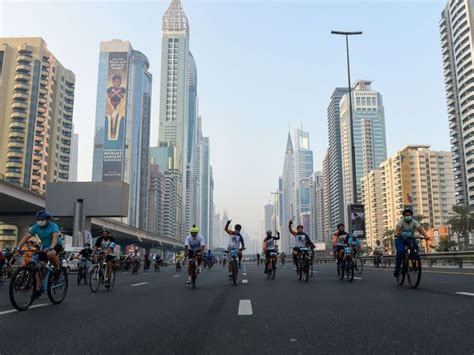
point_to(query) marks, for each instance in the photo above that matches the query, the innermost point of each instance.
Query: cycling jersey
(86, 253)
(379, 249)
(342, 239)
(408, 228)
(45, 233)
(235, 240)
(194, 243)
(270, 242)
(106, 244)
(301, 240)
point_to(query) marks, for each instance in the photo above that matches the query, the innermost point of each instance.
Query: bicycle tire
(273, 272)
(55, 296)
(30, 283)
(269, 272)
(417, 266)
(111, 281)
(342, 270)
(401, 277)
(94, 278)
(360, 265)
(235, 272)
(300, 270)
(306, 270)
(79, 276)
(193, 274)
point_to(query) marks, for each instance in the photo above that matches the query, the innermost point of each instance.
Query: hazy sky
(262, 66)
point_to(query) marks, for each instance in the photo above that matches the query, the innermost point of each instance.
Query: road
(156, 313)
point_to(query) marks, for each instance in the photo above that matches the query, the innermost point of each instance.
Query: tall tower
(335, 198)
(36, 107)
(456, 31)
(288, 193)
(122, 124)
(369, 137)
(175, 91)
(303, 169)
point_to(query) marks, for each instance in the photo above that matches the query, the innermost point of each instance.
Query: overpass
(18, 206)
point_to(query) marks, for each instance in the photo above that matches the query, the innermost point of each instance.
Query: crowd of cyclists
(43, 244)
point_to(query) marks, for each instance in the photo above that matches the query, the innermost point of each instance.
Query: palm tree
(388, 234)
(420, 218)
(461, 220)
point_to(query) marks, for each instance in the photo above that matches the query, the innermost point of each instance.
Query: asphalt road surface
(156, 313)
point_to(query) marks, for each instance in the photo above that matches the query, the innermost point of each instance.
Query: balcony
(20, 96)
(41, 109)
(16, 124)
(23, 68)
(14, 134)
(19, 105)
(14, 164)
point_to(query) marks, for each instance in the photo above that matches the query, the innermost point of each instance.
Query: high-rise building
(336, 199)
(36, 108)
(122, 124)
(325, 182)
(303, 171)
(457, 30)
(74, 163)
(175, 90)
(371, 192)
(289, 211)
(369, 137)
(268, 217)
(419, 178)
(316, 207)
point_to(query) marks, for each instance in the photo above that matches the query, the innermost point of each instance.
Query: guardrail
(443, 259)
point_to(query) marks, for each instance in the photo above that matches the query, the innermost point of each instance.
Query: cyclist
(51, 245)
(379, 251)
(340, 238)
(236, 240)
(209, 259)
(302, 240)
(179, 261)
(194, 245)
(270, 247)
(283, 256)
(258, 258)
(106, 243)
(404, 230)
(146, 261)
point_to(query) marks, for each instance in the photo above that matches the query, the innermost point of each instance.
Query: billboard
(115, 114)
(357, 221)
(406, 179)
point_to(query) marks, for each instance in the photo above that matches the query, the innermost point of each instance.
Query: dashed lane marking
(33, 306)
(177, 276)
(139, 284)
(465, 293)
(245, 308)
(245, 281)
(358, 278)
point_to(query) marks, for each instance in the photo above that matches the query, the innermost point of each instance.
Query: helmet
(105, 230)
(238, 227)
(378, 242)
(407, 210)
(269, 232)
(43, 214)
(194, 229)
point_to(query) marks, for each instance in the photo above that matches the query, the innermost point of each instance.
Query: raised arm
(290, 224)
(278, 236)
(227, 229)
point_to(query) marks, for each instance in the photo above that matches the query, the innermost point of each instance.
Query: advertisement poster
(115, 113)
(406, 180)
(357, 221)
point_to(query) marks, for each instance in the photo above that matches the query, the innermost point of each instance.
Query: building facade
(456, 33)
(419, 178)
(369, 137)
(36, 109)
(336, 197)
(371, 191)
(289, 211)
(122, 125)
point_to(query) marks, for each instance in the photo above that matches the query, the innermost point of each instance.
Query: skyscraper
(456, 31)
(268, 217)
(36, 107)
(371, 186)
(325, 191)
(303, 171)
(369, 136)
(74, 163)
(122, 126)
(175, 90)
(288, 192)
(336, 197)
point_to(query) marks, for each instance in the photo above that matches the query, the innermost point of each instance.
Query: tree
(461, 219)
(388, 240)
(420, 218)
(445, 243)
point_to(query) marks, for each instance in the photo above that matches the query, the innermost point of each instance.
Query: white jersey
(300, 240)
(194, 243)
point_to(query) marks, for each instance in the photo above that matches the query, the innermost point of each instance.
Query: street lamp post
(354, 176)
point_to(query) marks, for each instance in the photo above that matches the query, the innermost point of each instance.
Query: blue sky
(262, 66)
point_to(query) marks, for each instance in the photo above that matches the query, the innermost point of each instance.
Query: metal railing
(458, 259)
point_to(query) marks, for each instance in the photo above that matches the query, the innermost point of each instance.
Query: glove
(290, 223)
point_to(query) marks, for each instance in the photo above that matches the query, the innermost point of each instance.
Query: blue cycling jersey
(46, 233)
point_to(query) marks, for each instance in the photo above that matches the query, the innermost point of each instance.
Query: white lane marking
(245, 274)
(139, 284)
(358, 278)
(245, 281)
(465, 293)
(33, 306)
(245, 308)
(176, 275)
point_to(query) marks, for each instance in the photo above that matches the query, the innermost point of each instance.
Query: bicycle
(23, 283)
(98, 274)
(272, 263)
(346, 267)
(411, 264)
(234, 265)
(379, 259)
(358, 262)
(178, 266)
(302, 268)
(135, 267)
(82, 271)
(193, 267)
(157, 266)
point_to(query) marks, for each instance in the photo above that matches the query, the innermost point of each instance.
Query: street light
(347, 34)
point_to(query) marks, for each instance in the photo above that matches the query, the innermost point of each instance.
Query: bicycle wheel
(350, 270)
(235, 272)
(57, 288)
(269, 272)
(306, 270)
(273, 271)
(300, 269)
(311, 271)
(79, 275)
(111, 281)
(360, 265)
(341, 270)
(193, 274)
(401, 277)
(22, 285)
(94, 278)
(414, 272)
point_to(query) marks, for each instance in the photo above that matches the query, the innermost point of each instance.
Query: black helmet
(43, 214)
(238, 227)
(407, 210)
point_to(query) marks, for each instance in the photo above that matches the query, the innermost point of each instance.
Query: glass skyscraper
(122, 126)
